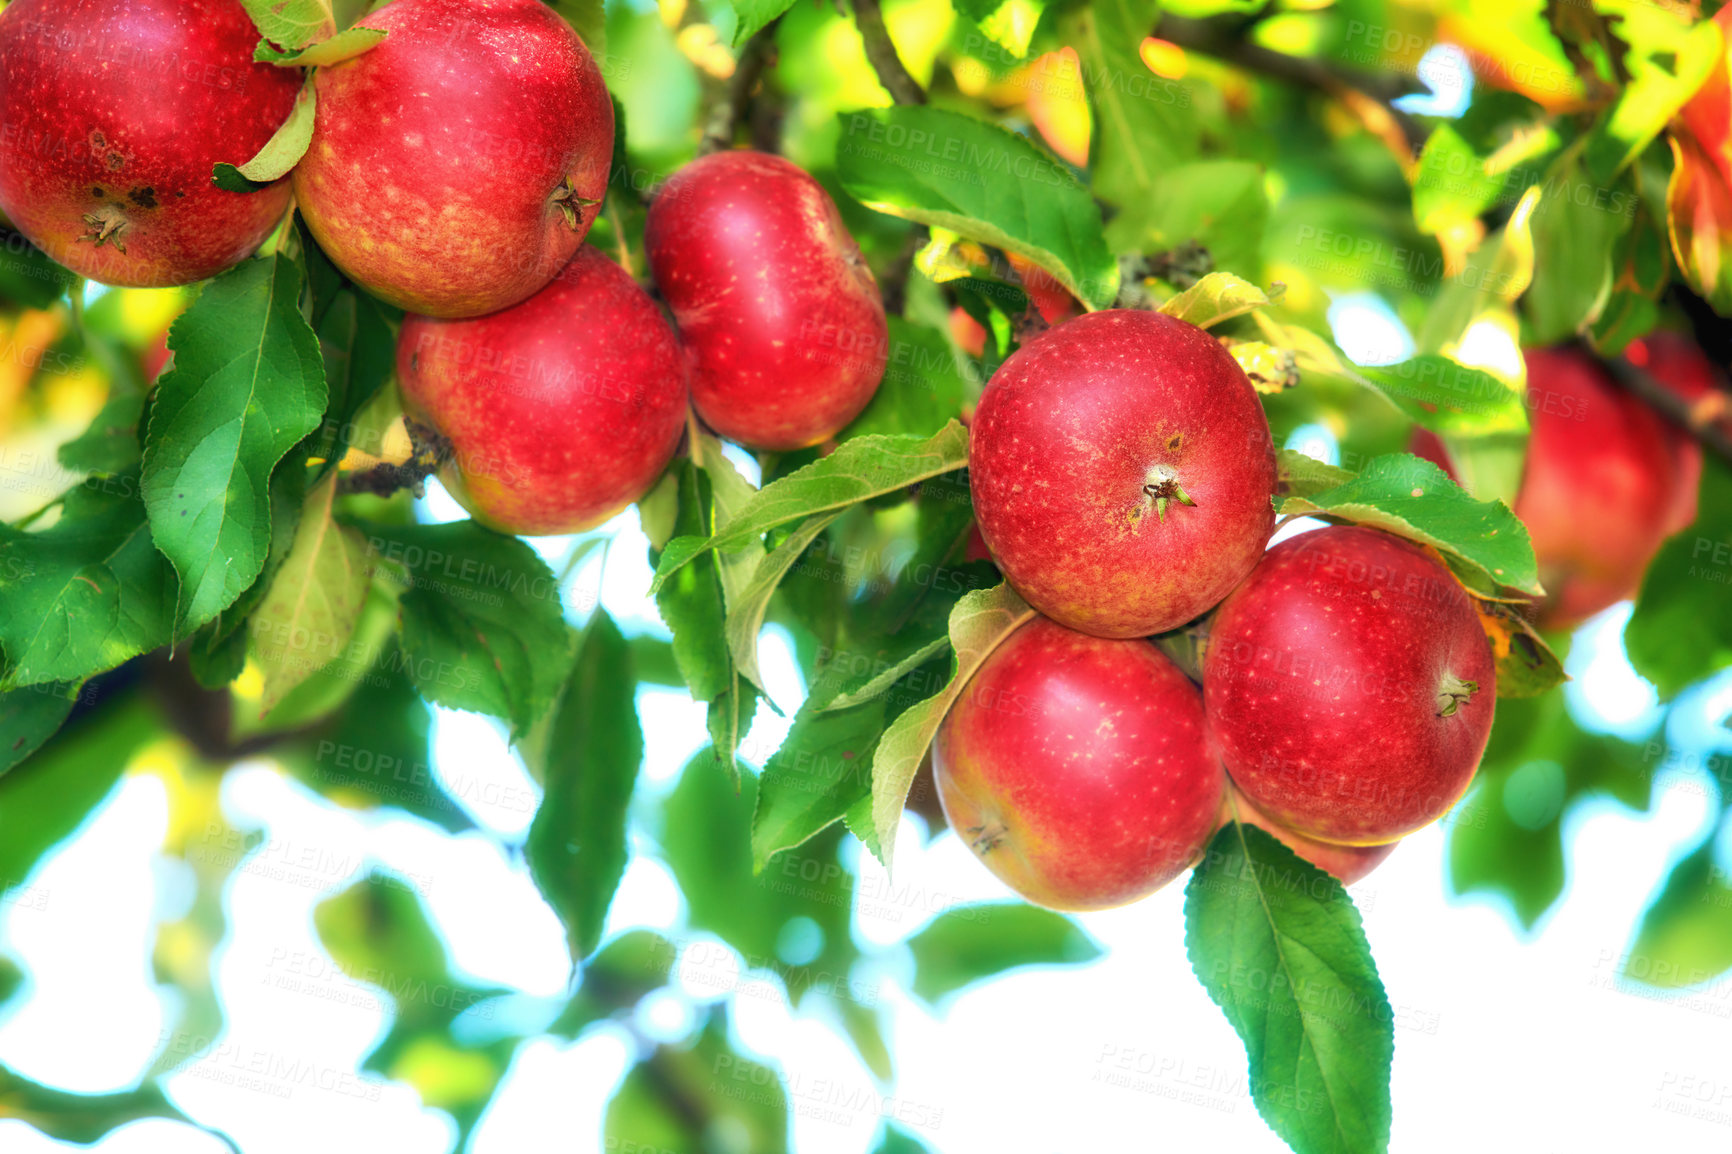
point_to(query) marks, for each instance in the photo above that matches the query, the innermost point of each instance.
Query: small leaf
(980, 621)
(751, 15)
(577, 843)
(280, 153)
(247, 384)
(881, 682)
(1413, 498)
(345, 45)
(1680, 631)
(291, 24)
(1269, 369)
(747, 607)
(982, 182)
(859, 469)
(1685, 938)
(308, 616)
(1302, 475)
(967, 944)
(1217, 297)
(87, 593)
(1526, 665)
(1448, 397)
(30, 716)
(479, 610)
(1278, 945)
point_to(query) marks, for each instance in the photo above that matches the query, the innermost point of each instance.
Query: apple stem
(568, 202)
(1453, 694)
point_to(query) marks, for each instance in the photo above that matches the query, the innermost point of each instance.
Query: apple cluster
(454, 170)
(1123, 475)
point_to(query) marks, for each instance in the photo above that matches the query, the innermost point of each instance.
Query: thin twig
(1675, 408)
(1370, 96)
(902, 87)
(894, 285)
(758, 54)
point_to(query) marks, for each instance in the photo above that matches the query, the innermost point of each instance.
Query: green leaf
(281, 152)
(360, 352)
(1279, 946)
(1451, 185)
(85, 1118)
(345, 45)
(859, 469)
(705, 840)
(1222, 205)
(377, 931)
(1685, 938)
(291, 23)
(881, 682)
(247, 384)
(1217, 297)
(479, 609)
(588, 18)
(980, 621)
(922, 387)
(627, 969)
(43, 801)
(27, 276)
(1576, 229)
(686, 1098)
(746, 609)
(309, 614)
(1010, 24)
(949, 170)
(751, 15)
(30, 716)
(1680, 632)
(1448, 397)
(1483, 540)
(1145, 124)
(966, 944)
(110, 444)
(1301, 475)
(1668, 61)
(87, 593)
(577, 844)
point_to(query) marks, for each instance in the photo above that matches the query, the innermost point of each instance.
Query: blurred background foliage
(1374, 158)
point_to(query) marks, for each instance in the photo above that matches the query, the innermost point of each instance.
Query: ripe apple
(1600, 490)
(1349, 863)
(112, 115)
(1123, 472)
(562, 410)
(1676, 362)
(1077, 768)
(1349, 686)
(779, 313)
(457, 166)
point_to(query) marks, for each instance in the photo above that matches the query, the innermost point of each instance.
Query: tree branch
(1370, 96)
(1676, 410)
(903, 88)
(758, 54)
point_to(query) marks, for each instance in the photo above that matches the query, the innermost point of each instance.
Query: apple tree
(1174, 443)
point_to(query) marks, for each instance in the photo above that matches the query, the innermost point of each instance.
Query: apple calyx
(105, 226)
(565, 198)
(1161, 485)
(984, 838)
(1453, 694)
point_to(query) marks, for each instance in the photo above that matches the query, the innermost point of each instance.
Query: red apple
(1676, 362)
(561, 410)
(776, 306)
(1349, 863)
(457, 166)
(112, 115)
(1600, 488)
(1350, 686)
(1077, 768)
(1123, 472)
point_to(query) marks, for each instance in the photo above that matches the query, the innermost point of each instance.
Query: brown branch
(1676, 409)
(429, 453)
(758, 54)
(902, 87)
(1370, 96)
